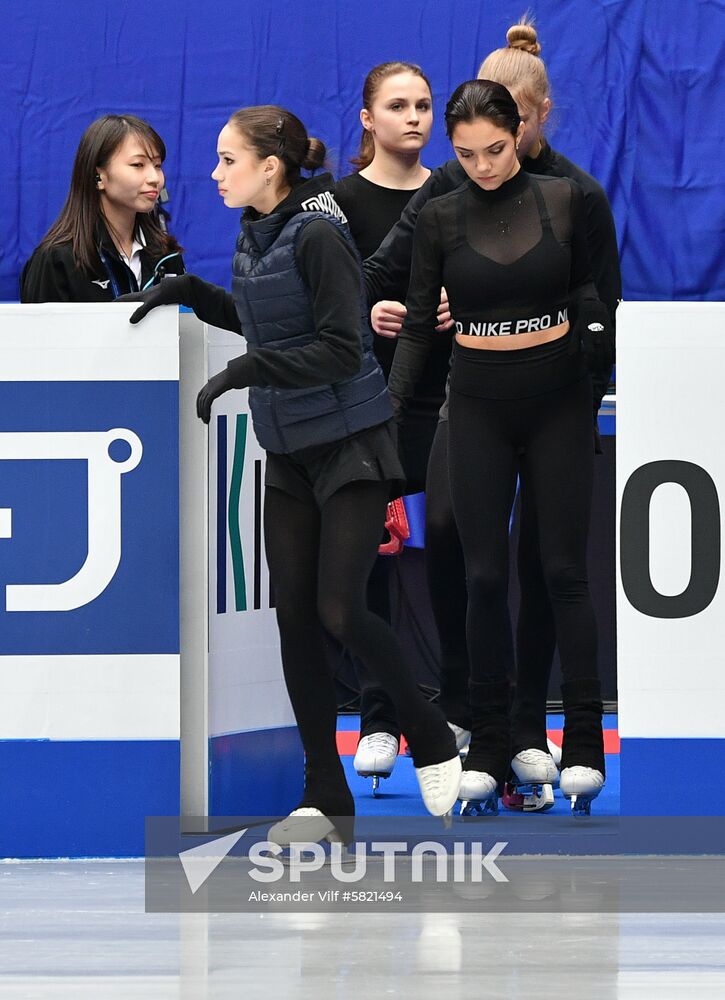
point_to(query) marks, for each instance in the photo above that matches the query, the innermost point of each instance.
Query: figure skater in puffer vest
(321, 411)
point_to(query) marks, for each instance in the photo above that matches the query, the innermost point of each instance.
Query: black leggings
(446, 573)
(547, 439)
(320, 560)
(535, 630)
(377, 713)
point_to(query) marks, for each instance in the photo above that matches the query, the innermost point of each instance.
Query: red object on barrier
(396, 524)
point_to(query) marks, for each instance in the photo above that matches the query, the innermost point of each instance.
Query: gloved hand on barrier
(212, 304)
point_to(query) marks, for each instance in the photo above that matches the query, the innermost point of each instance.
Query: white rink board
(89, 697)
(78, 341)
(58, 694)
(670, 379)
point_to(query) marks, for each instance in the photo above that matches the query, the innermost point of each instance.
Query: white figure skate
(478, 794)
(536, 775)
(581, 785)
(463, 738)
(303, 826)
(439, 785)
(376, 756)
(555, 752)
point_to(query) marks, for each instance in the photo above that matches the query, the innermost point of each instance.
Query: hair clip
(279, 132)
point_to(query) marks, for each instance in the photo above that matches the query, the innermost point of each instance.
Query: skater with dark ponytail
(321, 411)
(519, 67)
(511, 248)
(397, 117)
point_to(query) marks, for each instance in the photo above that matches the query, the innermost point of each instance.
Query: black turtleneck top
(389, 267)
(511, 259)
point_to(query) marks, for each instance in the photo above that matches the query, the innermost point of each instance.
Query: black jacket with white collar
(52, 275)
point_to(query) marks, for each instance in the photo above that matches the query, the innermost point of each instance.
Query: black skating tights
(548, 440)
(535, 629)
(320, 561)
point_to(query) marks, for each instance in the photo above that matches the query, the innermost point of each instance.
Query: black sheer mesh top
(510, 260)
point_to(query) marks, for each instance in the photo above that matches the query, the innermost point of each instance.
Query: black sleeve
(581, 283)
(603, 250)
(418, 336)
(590, 316)
(211, 303)
(330, 268)
(44, 279)
(387, 272)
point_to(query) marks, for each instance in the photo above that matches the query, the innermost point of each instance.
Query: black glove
(593, 326)
(212, 304)
(170, 291)
(595, 332)
(215, 387)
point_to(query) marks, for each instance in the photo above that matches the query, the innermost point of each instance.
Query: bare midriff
(514, 342)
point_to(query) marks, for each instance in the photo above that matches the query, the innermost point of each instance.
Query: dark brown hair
(482, 99)
(373, 80)
(274, 131)
(78, 219)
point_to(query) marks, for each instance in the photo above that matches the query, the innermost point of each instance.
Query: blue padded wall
(637, 85)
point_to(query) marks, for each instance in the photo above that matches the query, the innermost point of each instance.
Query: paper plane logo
(200, 862)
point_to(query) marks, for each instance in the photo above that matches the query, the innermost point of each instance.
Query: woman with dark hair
(321, 411)
(108, 239)
(396, 117)
(520, 68)
(511, 249)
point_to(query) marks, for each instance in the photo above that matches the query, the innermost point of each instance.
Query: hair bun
(523, 36)
(315, 154)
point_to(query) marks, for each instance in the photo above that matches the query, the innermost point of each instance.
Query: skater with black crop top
(519, 67)
(511, 249)
(396, 122)
(321, 411)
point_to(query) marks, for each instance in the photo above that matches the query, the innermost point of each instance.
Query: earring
(517, 145)
(267, 181)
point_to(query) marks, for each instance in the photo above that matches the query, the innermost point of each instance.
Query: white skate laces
(439, 785)
(534, 767)
(376, 755)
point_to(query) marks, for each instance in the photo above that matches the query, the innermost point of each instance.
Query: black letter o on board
(634, 539)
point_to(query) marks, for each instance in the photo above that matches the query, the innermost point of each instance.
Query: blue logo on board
(89, 518)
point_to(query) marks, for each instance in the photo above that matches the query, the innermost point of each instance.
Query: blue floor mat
(398, 795)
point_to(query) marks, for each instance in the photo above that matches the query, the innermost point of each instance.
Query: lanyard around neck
(112, 277)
